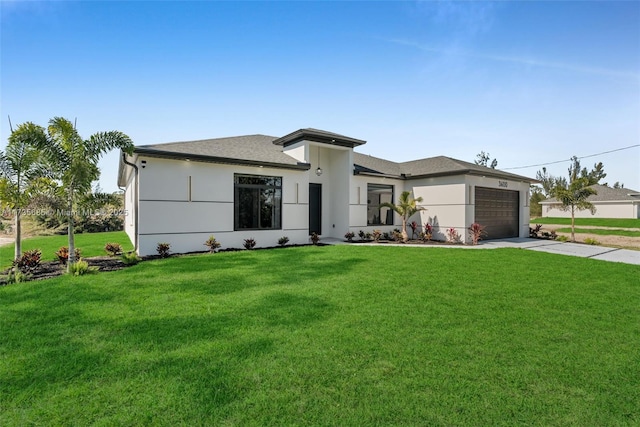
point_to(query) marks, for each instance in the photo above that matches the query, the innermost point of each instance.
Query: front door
(315, 208)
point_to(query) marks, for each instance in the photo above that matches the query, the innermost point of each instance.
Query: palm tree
(574, 197)
(406, 207)
(75, 162)
(20, 167)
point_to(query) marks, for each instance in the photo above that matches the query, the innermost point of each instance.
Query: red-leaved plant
(476, 232)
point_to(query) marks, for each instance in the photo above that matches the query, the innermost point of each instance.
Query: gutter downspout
(135, 201)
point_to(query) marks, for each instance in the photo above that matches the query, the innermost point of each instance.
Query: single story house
(265, 187)
(609, 203)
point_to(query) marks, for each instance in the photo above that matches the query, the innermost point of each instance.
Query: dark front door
(315, 208)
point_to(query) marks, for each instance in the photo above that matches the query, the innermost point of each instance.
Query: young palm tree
(20, 167)
(406, 207)
(75, 162)
(574, 197)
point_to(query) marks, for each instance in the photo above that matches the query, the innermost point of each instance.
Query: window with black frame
(257, 202)
(376, 195)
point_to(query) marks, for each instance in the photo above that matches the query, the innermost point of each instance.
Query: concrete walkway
(602, 253)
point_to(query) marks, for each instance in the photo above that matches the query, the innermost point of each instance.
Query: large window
(257, 202)
(376, 195)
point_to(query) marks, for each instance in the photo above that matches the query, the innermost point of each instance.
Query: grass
(90, 244)
(597, 222)
(602, 231)
(345, 335)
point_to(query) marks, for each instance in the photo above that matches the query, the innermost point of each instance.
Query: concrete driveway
(603, 253)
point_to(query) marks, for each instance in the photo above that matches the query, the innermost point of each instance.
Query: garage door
(498, 211)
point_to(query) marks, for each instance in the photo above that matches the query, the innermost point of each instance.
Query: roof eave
(306, 135)
(215, 159)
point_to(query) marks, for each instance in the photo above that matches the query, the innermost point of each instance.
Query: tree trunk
(18, 245)
(405, 236)
(573, 220)
(72, 243)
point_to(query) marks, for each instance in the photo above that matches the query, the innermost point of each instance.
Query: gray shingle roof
(256, 149)
(433, 166)
(606, 194)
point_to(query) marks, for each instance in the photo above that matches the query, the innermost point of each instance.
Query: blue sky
(528, 82)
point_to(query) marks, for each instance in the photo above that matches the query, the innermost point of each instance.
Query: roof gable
(317, 135)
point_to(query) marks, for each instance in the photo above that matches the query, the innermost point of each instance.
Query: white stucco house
(265, 187)
(609, 203)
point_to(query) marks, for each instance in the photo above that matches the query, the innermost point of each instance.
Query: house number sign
(503, 184)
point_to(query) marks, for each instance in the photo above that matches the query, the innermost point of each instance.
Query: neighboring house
(609, 203)
(264, 187)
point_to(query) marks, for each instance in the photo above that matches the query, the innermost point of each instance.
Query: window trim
(236, 205)
(369, 206)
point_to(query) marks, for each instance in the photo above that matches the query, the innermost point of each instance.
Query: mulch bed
(51, 269)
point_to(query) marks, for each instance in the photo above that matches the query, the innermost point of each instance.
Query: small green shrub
(349, 235)
(563, 238)
(63, 254)
(17, 277)
(29, 261)
(163, 249)
(249, 244)
(362, 235)
(591, 241)
(283, 240)
(80, 268)
(212, 244)
(130, 258)
(113, 249)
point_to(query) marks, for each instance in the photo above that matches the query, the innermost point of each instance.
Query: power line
(568, 160)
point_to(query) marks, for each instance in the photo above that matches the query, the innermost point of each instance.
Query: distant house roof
(605, 194)
(317, 135)
(424, 168)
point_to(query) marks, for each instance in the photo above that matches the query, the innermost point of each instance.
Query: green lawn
(602, 231)
(90, 244)
(598, 222)
(344, 335)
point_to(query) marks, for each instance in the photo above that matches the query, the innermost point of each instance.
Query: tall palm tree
(20, 167)
(406, 207)
(75, 162)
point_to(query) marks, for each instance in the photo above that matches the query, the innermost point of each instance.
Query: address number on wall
(503, 184)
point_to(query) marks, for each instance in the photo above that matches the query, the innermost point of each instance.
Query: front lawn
(597, 222)
(90, 244)
(344, 335)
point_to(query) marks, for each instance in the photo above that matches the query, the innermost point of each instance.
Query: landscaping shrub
(130, 258)
(17, 277)
(476, 232)
(113, 249)
(63, 254)
(591, 241)
(80, 268)
(377, 234)
(453, 236)
(563, 238)
(212, 244)
(414, 228)
(533, 232)
(29, 261)
(349, 235)
(397, 236)
(249, 244)
(283, 240)
(314, 238)
(361, 234)
(163, 249)
(427, 233)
